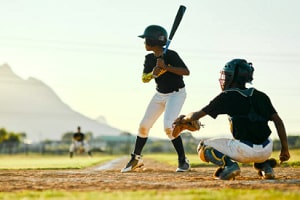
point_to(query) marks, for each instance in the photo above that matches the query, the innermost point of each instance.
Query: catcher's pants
(170, 104)
(76, 145)
(240, 151)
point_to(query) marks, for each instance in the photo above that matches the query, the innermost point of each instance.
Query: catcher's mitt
(179, 125)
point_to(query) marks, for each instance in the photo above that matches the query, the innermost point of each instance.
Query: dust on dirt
(153, 176)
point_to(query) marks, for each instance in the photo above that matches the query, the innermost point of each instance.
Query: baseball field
(59, 177)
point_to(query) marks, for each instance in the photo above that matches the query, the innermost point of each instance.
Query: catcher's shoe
(265, 169)
(267, 173)
(135, 162)
(183, 166)
(228, 172)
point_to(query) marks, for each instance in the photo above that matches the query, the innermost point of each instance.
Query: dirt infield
(154, 176)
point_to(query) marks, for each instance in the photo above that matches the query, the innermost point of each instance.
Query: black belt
(170, 91)
(250, 144)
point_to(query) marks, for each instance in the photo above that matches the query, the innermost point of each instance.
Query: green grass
(155, 195)
(64, 162)
(50, 162)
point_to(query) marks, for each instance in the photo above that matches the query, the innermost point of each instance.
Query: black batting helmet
(155, 35)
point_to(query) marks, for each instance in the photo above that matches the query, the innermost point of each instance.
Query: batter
(167, 70)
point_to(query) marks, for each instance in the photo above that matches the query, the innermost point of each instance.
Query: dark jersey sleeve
(215, 106)
(174, 59)
(149, 63)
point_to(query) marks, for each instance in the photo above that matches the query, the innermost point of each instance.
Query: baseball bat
(176, 23)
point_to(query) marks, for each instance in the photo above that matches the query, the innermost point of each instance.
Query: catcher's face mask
(225, 80)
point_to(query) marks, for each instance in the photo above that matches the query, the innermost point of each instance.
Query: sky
(88, 52)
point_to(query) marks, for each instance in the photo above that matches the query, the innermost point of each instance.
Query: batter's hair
(152, 43)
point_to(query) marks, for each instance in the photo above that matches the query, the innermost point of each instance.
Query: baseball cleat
(265, 169)
(267, 173)
(228, 172)
(183, 166)
(134, 163)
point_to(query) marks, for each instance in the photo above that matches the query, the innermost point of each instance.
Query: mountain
(30, 106)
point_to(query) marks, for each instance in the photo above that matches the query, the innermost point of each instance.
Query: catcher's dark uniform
(249, 111)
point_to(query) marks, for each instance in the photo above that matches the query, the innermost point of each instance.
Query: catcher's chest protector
(252, 126)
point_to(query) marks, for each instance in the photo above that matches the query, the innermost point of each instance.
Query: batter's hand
(160, 62)
(157, 71)
(160, 68)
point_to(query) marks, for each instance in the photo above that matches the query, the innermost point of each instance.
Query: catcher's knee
(143, 132)
(207, 154)
(200, 149)
(168, 132)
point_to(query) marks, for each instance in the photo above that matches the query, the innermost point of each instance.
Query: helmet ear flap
(251, 72)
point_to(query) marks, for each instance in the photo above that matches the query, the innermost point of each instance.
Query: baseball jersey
(167, 82)
(249, 111)
(78, 137)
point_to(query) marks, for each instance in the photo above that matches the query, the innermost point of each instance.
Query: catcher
(249, 111)
(79, 144)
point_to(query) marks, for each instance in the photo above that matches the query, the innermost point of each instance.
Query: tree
(10, 140)
(3, 135)
(67, 137)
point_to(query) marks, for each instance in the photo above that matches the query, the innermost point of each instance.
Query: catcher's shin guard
(209, 154)
(227, 170)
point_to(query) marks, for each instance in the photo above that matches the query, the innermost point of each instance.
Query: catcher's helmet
(236, 71)
(155, 35)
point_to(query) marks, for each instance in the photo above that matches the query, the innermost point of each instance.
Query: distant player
(79, 144)
(167, 71)
(249, 111)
